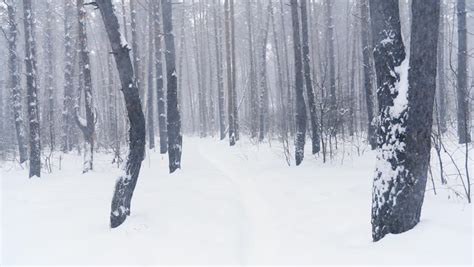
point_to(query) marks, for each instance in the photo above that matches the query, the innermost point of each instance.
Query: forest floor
(239, 205)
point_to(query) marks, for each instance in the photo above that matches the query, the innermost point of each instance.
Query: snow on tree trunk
(315, 137)
(125, 184)
(14, 81)
(235, 106)
(464, 131)
(367, 70)
(253, 84)
(32, 90)
(175, 139)
(86, 125)
(300, 103)
(406, 94)
(160, 93)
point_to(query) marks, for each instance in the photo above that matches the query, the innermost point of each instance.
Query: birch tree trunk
(32, 90)
(125, 184)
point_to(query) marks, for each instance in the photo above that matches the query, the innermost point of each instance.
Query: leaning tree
(126, 182)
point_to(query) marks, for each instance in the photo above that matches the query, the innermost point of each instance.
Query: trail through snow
(228, 205)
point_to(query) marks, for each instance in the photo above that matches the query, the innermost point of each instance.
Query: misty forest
(236, 131)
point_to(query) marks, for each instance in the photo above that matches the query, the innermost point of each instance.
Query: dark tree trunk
(461, 89)
(126, 183)
(150, 121)
(315, 137)
(175, 139)
(32, 90)
(367, 67)
(300, 104)
(87, 126)
(160, 93)
(14, 81)
(50, 88)
(406, 113)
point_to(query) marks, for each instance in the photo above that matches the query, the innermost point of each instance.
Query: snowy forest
(236, 132)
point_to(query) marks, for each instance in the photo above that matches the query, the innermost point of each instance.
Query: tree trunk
(220, 78)
(461, 88)
(252, 74)
(367, 66)
(86, 125)
(300, 104)
(50, 73)
(175, 138)
(150, 121)
(333, 116)
(263, 116)
(315, 137)
(230, 93)
(441, 101)
(234, 72)
(67, 114)
(126, 183)
(135, 50)
(406, 111)
(32, 90)
(160, 93)
(14, 81)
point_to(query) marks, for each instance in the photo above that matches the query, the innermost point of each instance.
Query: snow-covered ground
(240, 205)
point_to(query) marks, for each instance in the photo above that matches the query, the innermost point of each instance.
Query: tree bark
(150, 121)
(461, 88)
(160, 93)
(32, 90)
(300, 103)
(263, 104)
(230, 92)
(125, 183)
(175, 138)
(14, 81)
(86, 125)
(367, 68)
(406, 113)
(315, 137)
(220, 78)
(67, 113)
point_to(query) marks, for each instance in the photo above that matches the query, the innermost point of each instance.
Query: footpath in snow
(240, 205)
